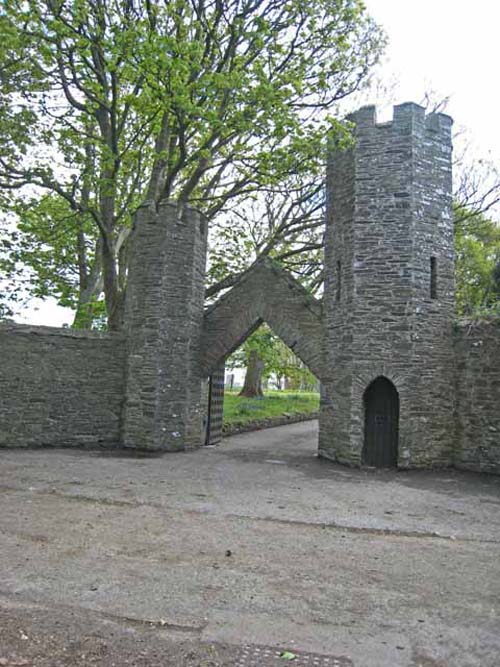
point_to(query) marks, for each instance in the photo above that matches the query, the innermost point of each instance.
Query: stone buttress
(389, 286)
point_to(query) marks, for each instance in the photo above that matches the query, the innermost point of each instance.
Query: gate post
(163, 322)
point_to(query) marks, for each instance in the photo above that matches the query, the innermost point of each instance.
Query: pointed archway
(265, 293)
(381, 403)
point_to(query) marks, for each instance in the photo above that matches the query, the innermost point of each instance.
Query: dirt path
(230, 555)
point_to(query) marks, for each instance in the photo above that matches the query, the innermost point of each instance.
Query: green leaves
(234, 78)
(277, 358)
(43, 249)
(287, 655)
(105, 104)
(477, 248)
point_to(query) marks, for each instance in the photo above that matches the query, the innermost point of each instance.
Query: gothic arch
(265, 293)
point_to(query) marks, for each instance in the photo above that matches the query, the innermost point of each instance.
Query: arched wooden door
(381, 424)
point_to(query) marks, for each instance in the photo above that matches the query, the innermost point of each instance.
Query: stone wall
(60, 387)
(477, 349)
(142, 389)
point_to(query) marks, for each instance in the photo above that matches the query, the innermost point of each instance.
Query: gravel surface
(232, 555)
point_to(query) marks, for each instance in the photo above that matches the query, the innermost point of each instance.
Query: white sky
(450, 47)
(45, 312)
(453, 48)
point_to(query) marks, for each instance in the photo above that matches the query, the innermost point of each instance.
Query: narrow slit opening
(433, 278)
(339, 279)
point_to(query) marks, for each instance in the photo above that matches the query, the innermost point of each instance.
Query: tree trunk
(114, 297)
(90, 288)
(252, 386)
(84, 316)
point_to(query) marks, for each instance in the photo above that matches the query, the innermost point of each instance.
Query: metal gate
(215, 406)
(381, 424)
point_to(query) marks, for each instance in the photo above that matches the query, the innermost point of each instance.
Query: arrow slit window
(433, 285)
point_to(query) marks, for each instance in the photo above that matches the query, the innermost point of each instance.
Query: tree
(256, 353)
(496, 281)
(51, 252)
(286, 224)
(252, 387)
(477, 184)
(477, 247)
(265, 354)
(290, 372)
(108, 103)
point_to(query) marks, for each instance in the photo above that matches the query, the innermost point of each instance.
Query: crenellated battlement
(408, 118)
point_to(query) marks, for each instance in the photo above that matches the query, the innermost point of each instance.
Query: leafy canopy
(223, 95)
(107, 103)
(477, 264)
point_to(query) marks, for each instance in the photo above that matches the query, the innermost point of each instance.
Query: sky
(453, 49)
(446, 47)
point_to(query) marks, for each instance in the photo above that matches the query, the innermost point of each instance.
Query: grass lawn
(240, 410)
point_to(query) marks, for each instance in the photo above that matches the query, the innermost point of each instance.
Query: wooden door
(381, 424)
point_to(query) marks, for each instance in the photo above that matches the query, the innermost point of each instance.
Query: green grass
(240, 410)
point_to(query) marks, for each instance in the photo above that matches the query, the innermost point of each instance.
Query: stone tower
(389, 293)
(163, 326)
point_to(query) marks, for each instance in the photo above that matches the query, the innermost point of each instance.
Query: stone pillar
(163, 322)
(389, 235)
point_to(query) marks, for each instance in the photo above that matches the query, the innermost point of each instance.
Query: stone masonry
(265, 293)
(60, 387)
(388, 216)
(387, 315)
(477, 414)
(164, 317)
